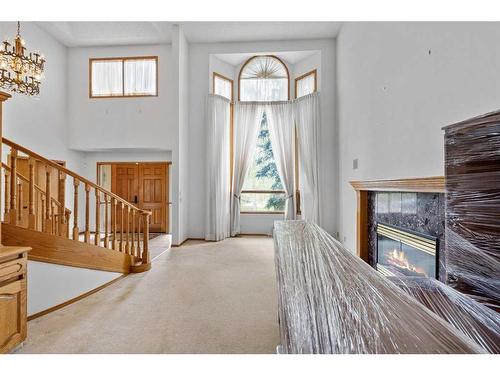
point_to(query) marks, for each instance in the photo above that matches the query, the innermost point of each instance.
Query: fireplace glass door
(404, 253)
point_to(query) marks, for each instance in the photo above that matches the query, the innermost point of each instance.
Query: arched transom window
(264, 78)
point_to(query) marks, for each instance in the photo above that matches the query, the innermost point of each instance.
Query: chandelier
(20, 71)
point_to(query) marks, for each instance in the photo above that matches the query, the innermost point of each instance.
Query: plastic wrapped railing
(330, 301)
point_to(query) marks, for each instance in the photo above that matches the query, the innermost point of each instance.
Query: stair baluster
(106, 222)
(13, 187)
(61, 197)
(6, 197)
(114, 217)
(76, 230)
(87, 214)
(31, 195)
(48, 221)
(97, 237)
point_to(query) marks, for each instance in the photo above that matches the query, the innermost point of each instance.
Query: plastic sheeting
(331, 301)
(476, 321)
(472, 162)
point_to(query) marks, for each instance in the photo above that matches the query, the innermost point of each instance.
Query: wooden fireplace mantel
(413, 185)
(418, 185)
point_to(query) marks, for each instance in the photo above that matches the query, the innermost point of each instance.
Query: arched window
(264, 78)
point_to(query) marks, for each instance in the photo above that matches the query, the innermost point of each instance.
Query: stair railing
(124, 227)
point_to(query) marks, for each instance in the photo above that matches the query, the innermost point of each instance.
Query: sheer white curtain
(247, 118)
(218, 193)
(263, 90)
(140, 77)
(281, 132)
(107, 78)
(307, 119)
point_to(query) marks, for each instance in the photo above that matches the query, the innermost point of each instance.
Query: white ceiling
(83, 34)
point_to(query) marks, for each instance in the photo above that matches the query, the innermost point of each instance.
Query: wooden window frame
(218, 75)
(232, 154)
(256, 56)
(312, 72)
(122, 59)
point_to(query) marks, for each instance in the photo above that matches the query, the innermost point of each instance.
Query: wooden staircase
(37, 216)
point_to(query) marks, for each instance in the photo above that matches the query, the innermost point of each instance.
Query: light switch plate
(355, 164)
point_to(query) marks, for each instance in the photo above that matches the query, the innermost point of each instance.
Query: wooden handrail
(62, 169)
(37, 188)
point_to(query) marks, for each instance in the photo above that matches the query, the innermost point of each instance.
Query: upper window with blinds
(123, 77)
(306, 84)
(264, 78)
(223, 86)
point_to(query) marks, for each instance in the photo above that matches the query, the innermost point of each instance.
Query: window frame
(312, 72)
(218, 75)
(232, 154)
(123, 59)
(256, 56)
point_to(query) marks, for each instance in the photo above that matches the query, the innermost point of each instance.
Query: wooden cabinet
(13, 263)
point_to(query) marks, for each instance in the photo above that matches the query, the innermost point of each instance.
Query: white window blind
(223, 87)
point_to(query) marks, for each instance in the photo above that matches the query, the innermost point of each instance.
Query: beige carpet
(198, 298)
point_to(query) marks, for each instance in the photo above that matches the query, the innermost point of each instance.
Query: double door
(146, 186)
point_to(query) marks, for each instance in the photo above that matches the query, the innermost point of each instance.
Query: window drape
(140, 77)
(247, 117)
(307, 120)
(281, 131)
(218, 193)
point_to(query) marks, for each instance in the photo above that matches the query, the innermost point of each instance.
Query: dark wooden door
(153, 193)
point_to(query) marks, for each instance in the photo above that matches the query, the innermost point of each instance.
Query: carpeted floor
(202, 297)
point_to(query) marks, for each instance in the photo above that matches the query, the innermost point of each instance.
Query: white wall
(41, 123)
(120, 123)
(200, 86)
(52, 284)
(398, 84)
(180, 155)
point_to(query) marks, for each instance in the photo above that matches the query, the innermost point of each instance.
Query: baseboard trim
(73, 300)
(188, 239)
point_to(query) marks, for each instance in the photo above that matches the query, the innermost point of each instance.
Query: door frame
(137, 162)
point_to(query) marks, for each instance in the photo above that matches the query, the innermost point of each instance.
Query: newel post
(3, 97)
(144, 261)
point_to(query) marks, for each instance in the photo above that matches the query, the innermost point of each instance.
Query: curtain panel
(281, 131)
(307, 120)
(247, 118)
(218, 184)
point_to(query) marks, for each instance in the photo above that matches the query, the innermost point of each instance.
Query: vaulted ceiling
(81, 34)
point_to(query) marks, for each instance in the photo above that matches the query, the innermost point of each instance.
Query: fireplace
(401, 252)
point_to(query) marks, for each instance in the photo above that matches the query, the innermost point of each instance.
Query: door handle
(7, 296)
(135, 199)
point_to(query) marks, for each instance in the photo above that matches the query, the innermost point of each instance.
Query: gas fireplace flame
(399, 259)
